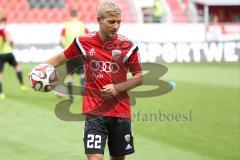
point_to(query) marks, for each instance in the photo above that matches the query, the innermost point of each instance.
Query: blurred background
(165, 26)
(197, 40)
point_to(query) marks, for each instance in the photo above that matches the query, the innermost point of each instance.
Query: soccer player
(107, 57)
(73, 28)
(6, 55)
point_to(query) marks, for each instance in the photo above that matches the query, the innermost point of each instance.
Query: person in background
(158, 11)
(6, 56)
(73, 28)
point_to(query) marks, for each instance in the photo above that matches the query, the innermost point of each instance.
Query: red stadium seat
(178, 14)
(19, 11)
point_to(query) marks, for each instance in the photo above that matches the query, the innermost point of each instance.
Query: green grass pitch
(206, 98)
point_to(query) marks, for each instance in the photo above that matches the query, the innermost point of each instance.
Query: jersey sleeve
(73, 50)
(134, 62)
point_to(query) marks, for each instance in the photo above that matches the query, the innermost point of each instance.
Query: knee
(95, 156)
(18, 68)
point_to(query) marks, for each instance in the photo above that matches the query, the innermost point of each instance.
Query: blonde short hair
(108, 7)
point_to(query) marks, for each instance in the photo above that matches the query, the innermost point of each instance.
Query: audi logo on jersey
(108, 67)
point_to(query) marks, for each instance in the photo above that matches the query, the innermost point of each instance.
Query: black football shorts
(116, 131)
(9, 57)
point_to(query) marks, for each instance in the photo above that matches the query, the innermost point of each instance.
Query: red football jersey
(105, 63)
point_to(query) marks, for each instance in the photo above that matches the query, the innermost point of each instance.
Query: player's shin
(70, 92)
(20, 77)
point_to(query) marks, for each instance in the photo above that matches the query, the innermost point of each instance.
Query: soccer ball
(43, 78)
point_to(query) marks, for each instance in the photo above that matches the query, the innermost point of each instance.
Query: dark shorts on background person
(99, 129)
(8, 57)
(74, 65)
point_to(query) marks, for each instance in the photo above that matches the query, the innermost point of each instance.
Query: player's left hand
(110, 90)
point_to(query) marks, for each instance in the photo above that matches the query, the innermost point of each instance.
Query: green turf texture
(29, 129)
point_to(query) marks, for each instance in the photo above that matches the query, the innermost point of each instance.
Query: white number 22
(94, 141)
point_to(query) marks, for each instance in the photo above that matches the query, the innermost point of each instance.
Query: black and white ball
(43, 78)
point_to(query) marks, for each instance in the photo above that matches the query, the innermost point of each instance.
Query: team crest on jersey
(92, 52)
(116, 53)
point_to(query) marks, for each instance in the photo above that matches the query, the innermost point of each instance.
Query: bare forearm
(130, 83)
(111, 90)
